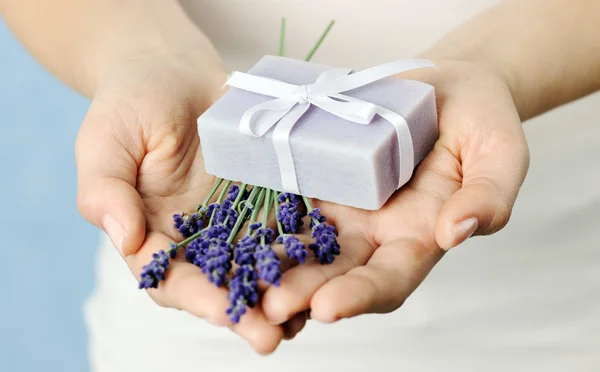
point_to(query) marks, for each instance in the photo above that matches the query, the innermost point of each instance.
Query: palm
(387, 253)
(145, 114)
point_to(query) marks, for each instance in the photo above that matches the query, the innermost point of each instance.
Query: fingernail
(463, 231)
(115, 232)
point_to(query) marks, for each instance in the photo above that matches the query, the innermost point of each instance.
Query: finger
(381, 286)
(293, 326)
(187, 288)
(493, 172)
(107, 173)
(299, 283)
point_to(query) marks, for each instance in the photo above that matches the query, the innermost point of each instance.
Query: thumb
(107, 174)
(492, 177)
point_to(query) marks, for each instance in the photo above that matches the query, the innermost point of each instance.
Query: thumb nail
(463, 231)
(115, 232)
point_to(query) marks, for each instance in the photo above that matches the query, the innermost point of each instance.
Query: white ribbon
(292, 101)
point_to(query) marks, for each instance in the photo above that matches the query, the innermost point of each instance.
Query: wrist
(448, 50)
(143, 29)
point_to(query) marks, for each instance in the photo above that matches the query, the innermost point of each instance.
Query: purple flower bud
(289, 197)
(325, 246)
(254, 226)
(216, 260)
(232, 193)
(188, 224)
(268, 264)
(216, 231)
(154, 272)
(211, 209)
(243, 292)
(315, 215)
(290, 217)
(294, 248)
(244, 250)
(266, 232)
(173, 250)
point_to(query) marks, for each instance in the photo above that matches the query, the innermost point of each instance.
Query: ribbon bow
(292, 101)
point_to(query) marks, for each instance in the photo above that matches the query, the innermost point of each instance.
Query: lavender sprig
(243, 292)
(294, 248)
(267, 262)
(288, 213)
(154, 272)
(325, 246)
(190, 224)
(243, 287)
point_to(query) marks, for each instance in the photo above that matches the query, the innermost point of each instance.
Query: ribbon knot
(292, 101)
(301, 94)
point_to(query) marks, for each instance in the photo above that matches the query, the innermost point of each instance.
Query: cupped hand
(465, 186)
(139, 161)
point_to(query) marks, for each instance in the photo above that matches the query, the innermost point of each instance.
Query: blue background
(47, 248)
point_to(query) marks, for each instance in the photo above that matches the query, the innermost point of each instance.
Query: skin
(139, 158)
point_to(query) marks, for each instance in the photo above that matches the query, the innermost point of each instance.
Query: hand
(139, 161)
(466, 185)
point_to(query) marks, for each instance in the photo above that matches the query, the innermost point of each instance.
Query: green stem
(276, 205)
(256, 209)
(266, 213)
(211, 193)
(224, 191)
(185, 242)
(282, 38)
(242, 216)
(309, 207)
(314, 49)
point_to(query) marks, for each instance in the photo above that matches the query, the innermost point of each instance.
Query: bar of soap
(336, 160)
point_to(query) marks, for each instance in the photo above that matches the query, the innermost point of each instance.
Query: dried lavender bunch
(214, 249)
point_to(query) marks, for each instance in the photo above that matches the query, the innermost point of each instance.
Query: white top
(525, 299)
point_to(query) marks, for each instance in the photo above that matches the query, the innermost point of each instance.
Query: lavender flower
(315, 215)
(226, 215)
(243, 292)
(232, 193)
(265, 232)
(173, 251)
(211, 209)
(325, 246)
(211, 248)
(244, 250)
(288, 196)
(188, 224)
(290, 217)
(289, 213)
(154, 272)
(216, 260)
(294, 248)
(267, 262)
(217, 231)
(193, 250)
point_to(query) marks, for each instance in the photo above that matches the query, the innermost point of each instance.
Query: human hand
(139, 161)
(465, 186)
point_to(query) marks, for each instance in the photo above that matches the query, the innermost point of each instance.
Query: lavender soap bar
(335, 159)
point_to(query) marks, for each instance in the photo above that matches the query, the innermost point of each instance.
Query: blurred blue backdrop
(47, 248)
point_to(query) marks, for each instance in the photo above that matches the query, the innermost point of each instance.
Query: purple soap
(335, 160)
